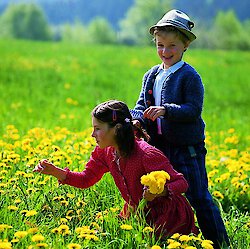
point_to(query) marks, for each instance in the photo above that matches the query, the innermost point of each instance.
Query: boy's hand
(136, 123)
(154, 112)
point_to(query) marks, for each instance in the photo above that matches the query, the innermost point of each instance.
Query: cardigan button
(150, 91)
(148, 102)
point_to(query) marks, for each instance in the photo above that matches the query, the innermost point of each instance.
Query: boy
(170, 106)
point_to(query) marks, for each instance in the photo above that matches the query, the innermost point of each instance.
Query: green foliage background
(28, 21)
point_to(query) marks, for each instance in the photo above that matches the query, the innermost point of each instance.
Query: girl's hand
(44, 167)
(147, 195)
(154, 112)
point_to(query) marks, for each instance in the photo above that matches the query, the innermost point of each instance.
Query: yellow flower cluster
(155, 181)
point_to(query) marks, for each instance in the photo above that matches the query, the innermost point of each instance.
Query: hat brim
(191, 36)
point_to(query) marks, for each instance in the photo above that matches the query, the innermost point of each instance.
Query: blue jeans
(190, 161)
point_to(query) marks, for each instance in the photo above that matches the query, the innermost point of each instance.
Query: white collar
(173, 68)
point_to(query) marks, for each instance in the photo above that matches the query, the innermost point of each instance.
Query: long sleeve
(189, 94)
(156, 160)
(145, 97)
(95, 168)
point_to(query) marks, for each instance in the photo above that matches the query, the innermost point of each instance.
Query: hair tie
(114, 116)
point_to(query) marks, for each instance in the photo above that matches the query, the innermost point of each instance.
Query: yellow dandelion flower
(32, 230)
(95, 224)
(5, 245)
(175, 236)
(20, 234)
(207, 244)
(184, 238)
(247, 225)
(148, 229)
(63, 227)
(155, 247)
(31, 213)
(41, 245)
(74, 246)
(82, 229)
(79, 212)
(31, 190)
(89, 237)
(225, 176)
(64, 203)
(170, 241)
(70, 196)
(63, 221)
(64, 230)
(196, 238)
(231, 130)
(190, 247)
(114, 210)
(4, 226)
(55, 230)
(12, 208)
(175, 244)
(15, 240)
(37, 238)
(218, 194)
(24, 211)
(17, 201)
(155, 180)
(99, 216)
(234, 180)
(58, 198)
(126, 227)
(70, 212)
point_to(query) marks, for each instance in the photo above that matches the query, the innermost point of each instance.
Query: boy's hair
(171, 29)
(116, 113)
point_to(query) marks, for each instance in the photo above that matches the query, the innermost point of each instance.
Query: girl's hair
(170, 29)
(116, 113)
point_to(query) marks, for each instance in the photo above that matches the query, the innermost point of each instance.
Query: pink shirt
(127, 173)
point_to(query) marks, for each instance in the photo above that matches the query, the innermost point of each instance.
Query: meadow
(47, 93)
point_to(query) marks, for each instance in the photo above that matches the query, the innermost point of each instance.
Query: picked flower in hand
(155, 181)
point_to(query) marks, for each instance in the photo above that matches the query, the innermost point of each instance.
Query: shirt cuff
(67, 172)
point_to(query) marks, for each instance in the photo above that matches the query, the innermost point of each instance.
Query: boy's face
(170, 48)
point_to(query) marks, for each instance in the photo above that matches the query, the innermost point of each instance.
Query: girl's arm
(93, 172)
(48, 168)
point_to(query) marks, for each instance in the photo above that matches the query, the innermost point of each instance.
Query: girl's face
(103, 134)
(170, 48)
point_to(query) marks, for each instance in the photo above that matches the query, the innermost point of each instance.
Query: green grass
(51, 85)
(33, 75)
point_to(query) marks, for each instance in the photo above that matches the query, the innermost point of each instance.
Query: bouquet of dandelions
(155, 181)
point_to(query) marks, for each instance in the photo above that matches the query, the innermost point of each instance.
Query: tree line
(28, 21)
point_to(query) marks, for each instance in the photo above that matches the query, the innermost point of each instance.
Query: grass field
(47, 93)
(42, 82)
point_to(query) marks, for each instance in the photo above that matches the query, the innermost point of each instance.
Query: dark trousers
(190, 161)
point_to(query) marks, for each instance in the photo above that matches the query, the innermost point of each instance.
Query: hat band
(179, 24)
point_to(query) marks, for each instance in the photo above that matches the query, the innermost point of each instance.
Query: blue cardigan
(182, 96)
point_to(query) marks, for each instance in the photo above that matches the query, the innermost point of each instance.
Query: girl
(127, 159)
